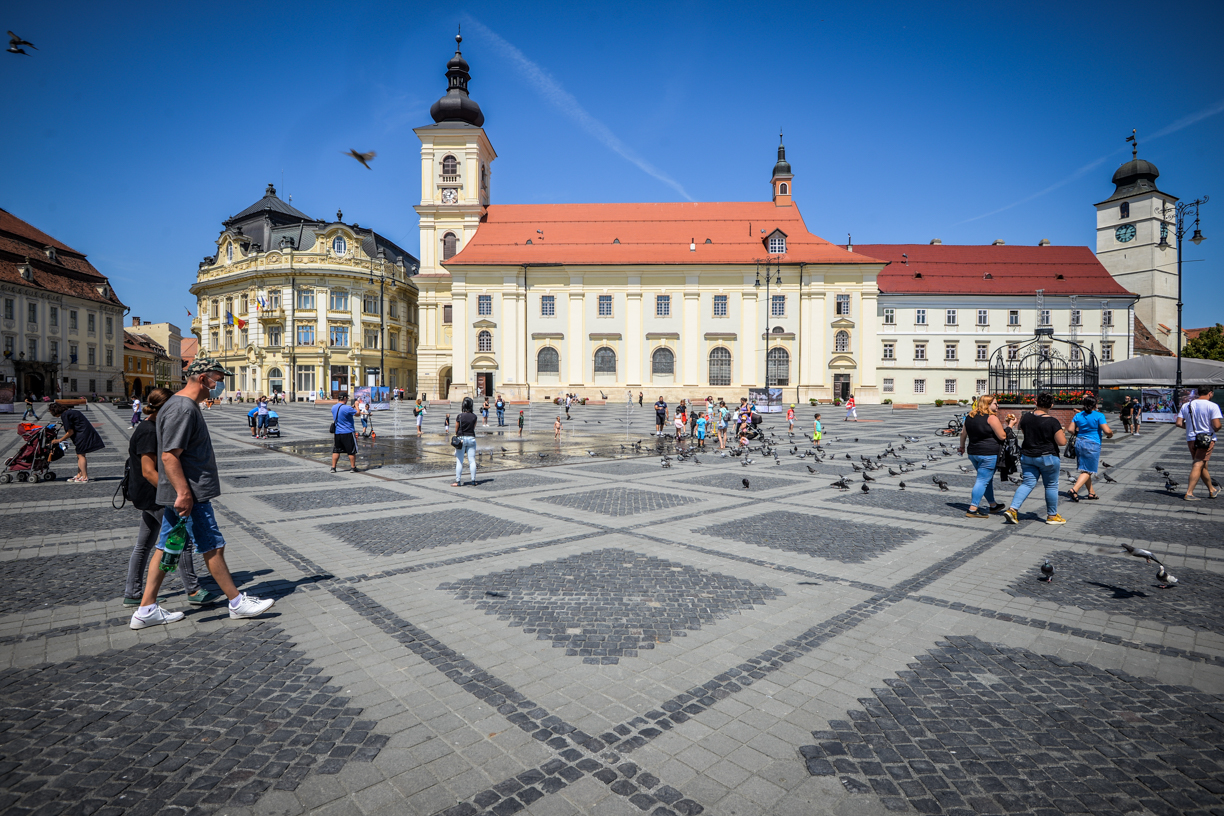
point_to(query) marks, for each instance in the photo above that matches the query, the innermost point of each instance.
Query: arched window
(450, 167)
(449, 245)
(1124, 209)
(229, 252)
(841, 341)
(777, 367)
(216, 309)
(229, 306)
(783, 188)
(339, 245)
(484, 341)
(274, 374)
(548, 361)
(720, 366)
(605, 361)
(662, 361)
(484, 177)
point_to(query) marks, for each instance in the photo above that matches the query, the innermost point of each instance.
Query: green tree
(1209, 345)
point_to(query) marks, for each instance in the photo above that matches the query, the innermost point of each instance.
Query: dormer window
(339, 245)
(1124, 210)
(777, 245)
(51, 254)
(229, 253)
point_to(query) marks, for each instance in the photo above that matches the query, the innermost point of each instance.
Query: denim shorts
(201, 528)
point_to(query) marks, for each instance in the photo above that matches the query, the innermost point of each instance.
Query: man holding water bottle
(188, 481)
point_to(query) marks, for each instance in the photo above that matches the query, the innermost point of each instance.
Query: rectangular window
(777, 245)
(1074, 354)
(1106, 352)
(920, 351)
(890, 317)
(10, 307)
(305, 379)
(605, 305)
(93, 356)
(371, 304)
(32, 348)
(949, 386)
(843, 305)
(305, 299)
(662, 305)
(1107, 317)
(919, 386)
(950, 351)
(979, 386)
(446, 315)
(983, 352)
(274, 299)
(1013, 352)
(371, 339)
(54, 350)
(983, 317)
(9, 340)
(91, 323)
(243, 338)
(110, 326)
(338, 335)
(1076, 318)
(888, 385)
(338, 301)
(1044, 317)
(949, 317)
(890, 351)
(720, 305)
(110, 357)
(393, 341)
(920, 317)
(31, 312)
(72, 319)
(274, 335)
(72, 384)
(93, 386)
(777, 305)
(305, 334)
(53, 317)
(229, 339)
(215, 343)
(393, 308)
(484, 305)
(548, 305)
(1013, 318)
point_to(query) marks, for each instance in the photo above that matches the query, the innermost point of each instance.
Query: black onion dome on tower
(457, 106)
(782, 168)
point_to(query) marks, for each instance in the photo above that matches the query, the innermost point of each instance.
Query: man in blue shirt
(660, 415)
(345, 435)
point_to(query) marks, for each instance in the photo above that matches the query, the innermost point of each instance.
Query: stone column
(690, 333)
(461, 368)
(576, 344)
(633, 333)
(750, 361)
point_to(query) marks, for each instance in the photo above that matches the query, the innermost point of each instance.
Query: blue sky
(135, 129)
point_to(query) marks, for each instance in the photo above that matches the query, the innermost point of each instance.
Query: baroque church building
(696, 299)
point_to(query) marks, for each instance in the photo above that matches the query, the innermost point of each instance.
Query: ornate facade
(306, 307)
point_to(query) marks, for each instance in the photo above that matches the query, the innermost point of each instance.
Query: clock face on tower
(1125, 233)
(450, 195)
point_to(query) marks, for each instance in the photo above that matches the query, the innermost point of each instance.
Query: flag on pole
(189, 314)
(242, 324)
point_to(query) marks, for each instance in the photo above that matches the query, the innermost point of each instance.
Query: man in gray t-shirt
(186, 484)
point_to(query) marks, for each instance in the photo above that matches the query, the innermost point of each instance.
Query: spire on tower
(1134, 139)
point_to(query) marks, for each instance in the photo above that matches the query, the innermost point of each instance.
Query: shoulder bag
(335, 415)
(456, 442)
(1202, 441)
(1069, 451)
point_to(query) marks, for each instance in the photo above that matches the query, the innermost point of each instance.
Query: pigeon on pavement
(866, 489)
(1047, 569)
(745, 481)
(1167, 580)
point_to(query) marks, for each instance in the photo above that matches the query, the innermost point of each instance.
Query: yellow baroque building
(305, 307)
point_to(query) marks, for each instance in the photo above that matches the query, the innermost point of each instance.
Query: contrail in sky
(1184, 122)
(562, 99)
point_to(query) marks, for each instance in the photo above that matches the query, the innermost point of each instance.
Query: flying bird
(1146, 555)
(364, 158)
(15, 43)
(1047, 569)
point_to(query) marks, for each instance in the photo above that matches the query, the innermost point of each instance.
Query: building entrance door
(841, 386)
(339, 382)
(484, 384)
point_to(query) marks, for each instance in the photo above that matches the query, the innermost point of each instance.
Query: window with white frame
(890, 351)
(919, 386)
(1076, 318)
(339, 245)
(1013, 352)
(1044, 317)
(720, 307)
(949, 317)
(53, 316)
(305, 334)
(843, 305)
(920, 351)
(950, 351)
(1107, 317)
(91, 323)
(274, 335)
(306, 299)
(484, 305)
(720, 366)
(777, 305)
(548, 305)
(662, 305)
(605, 305)
(890, 316)
(72, 317)
(888, 385)
(841, 342)
(32, 313)
(338, 301)
(949, 386)
(484, 341)
(1074, 354)
(979, 386)
(393, 341)
(983, 352)
(983, 317)
(93, 356)
(1013, 317)
(213, 345)
(920, 317)
(371, 304)
(371, 338)
(777, 245)
(1106, 352)
(229, 340)
(243, 338)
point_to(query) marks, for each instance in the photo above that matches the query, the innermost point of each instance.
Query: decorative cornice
(661, 335)
(547, 336)
(842, 323)
(484, 324)
(720, 335)
(778, 336)
(605, 335)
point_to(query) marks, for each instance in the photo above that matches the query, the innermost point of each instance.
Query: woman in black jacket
(85, 439)
(465, 429)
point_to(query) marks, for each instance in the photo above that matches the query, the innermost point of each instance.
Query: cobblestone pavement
(599, 635)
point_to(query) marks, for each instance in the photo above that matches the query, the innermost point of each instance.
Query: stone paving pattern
(498, 641)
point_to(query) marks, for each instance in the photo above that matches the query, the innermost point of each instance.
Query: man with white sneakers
(188, 481)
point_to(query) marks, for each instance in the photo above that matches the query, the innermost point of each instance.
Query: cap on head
(207, 365)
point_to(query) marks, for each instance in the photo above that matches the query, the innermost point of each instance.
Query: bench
(828, 401)
(71, 403)
(905, 406)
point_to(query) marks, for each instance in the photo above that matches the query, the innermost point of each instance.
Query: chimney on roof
(692, 245)
(998, 242)
(1044, 242)
(849, 243)
(135, 320)
(936, 241)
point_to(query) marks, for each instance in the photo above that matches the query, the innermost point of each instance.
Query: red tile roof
(586, 234)
(1013, 270)
(188, 349)
(69, 274)
(1146, 342)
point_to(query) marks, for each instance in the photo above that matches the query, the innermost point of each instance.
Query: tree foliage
(1209, 345)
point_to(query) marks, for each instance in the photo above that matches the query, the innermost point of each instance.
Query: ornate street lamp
(768, 306)
(1180, 212)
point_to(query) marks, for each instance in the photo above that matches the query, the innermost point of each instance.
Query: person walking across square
(465, 430)
(344, 438)
(520, 422)
(29, 409)
(790, 419)
(187, 482)
(1201, 419)
(1089, 425)
(135, 411)
(980, 438)
(851, 409)
(1043, 439)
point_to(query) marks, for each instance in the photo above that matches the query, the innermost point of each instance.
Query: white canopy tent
(1153, 371)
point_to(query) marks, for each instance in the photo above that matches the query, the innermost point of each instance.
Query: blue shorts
(701, 434)
(202, 528)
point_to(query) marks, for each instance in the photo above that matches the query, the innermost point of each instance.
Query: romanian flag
(229, 319)
(242, 324)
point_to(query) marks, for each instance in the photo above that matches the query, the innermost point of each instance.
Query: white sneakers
(155, 618)
(249, 606)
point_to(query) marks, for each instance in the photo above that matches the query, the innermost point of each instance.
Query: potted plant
(888, 400)
(812, 402)
(938, 403)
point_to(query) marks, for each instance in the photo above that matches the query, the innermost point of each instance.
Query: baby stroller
(273, 426)
(32, 460)
(752, 430)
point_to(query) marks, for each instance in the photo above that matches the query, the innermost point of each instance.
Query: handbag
(1202, 441)
(1069, 451)
(121, 491)
(456, 442)
(332, 428)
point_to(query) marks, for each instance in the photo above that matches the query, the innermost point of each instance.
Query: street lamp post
(1183, 209)
(768, 309)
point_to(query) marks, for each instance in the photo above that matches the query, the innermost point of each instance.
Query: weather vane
(1134, 139)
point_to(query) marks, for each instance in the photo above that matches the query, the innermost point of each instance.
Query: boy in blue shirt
(701, 431)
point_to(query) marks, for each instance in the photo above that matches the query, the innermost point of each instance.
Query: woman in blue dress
(1090, 424)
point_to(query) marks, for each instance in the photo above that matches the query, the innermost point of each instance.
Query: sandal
(456, 484)
(1075, 497)
(1093, 496)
